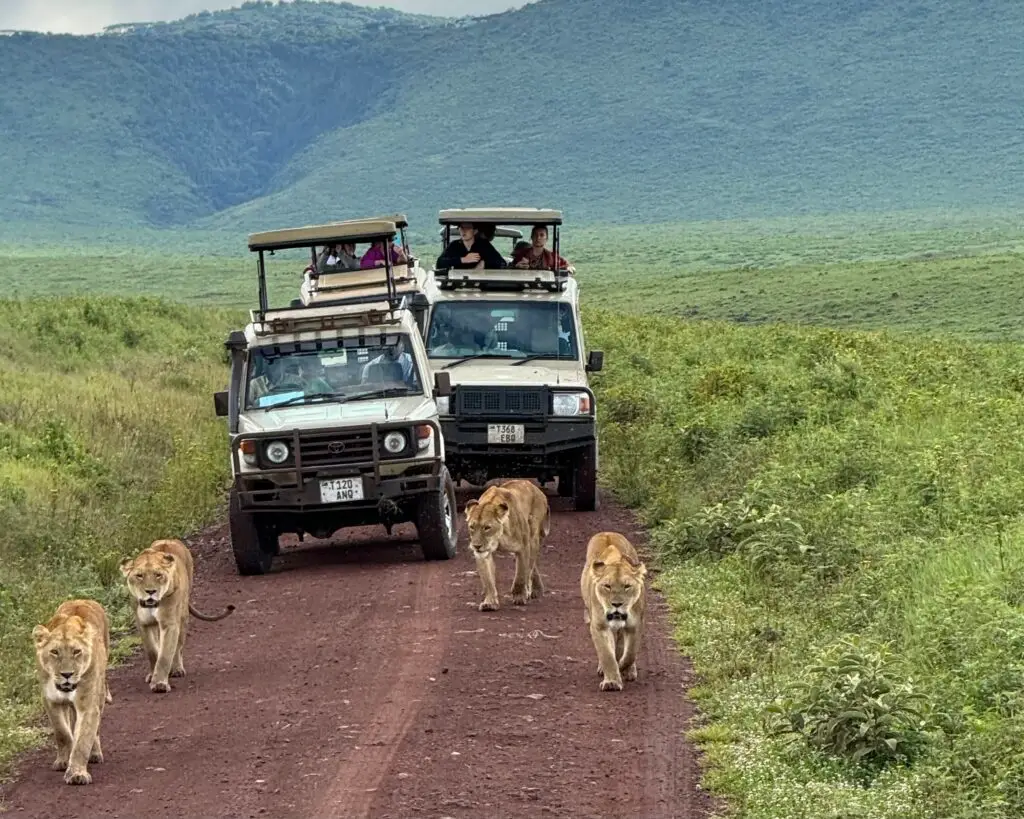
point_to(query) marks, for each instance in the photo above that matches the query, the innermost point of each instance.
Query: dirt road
(363, 682)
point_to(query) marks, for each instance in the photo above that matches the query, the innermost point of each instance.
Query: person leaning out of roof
(537, 257)
(339, 257)
(374, 257)
(471, 251)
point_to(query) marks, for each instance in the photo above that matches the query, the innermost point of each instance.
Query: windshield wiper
(302, 399)
(383, 392)
(471, 358)
(535, 357)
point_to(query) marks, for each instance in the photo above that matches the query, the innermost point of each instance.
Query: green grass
(108, 440)
(838, 517)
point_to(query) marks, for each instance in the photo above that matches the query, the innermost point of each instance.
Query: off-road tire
(584, 480)
(254, 545)
(437, 522)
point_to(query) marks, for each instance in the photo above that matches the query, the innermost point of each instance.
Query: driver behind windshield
(470, 252)
(397, 353)
(470, 332)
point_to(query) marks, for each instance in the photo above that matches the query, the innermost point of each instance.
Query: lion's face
(149, 577)
(486, 524)
(64, 653)
(618, 587)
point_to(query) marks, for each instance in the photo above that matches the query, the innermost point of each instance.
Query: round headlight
(277, 452)
(394, 442)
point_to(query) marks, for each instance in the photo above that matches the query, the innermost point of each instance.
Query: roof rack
(325, 316)
(510, 278)
(502, 216)
(357, 289)
(501, 219)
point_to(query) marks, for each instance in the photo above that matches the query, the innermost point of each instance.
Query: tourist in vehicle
(538, 257)
(374, 257)
(338, 257)
(471, 251)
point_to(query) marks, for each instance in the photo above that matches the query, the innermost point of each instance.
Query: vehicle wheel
(254, 545)
(584, 480)
(436, 522)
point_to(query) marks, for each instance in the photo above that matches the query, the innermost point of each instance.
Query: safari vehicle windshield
(502, 329)
(331, 370)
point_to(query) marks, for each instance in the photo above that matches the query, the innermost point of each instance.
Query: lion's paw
(77, 777)
(159, 687)
(629, 673)
(96, 757)
(611, 685)
(178, 672)
(487, 605)
(519, 598)
(60, 764)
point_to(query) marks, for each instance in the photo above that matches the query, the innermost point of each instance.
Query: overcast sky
(88, 16)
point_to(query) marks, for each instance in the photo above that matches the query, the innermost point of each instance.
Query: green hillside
(659, 110)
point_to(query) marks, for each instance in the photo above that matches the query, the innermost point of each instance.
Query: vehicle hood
(503, 373)
(334, 415)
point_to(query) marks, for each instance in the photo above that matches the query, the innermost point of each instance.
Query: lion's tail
(210, 618)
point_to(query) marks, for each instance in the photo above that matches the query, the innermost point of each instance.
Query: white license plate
(340, 490)
(505, 434)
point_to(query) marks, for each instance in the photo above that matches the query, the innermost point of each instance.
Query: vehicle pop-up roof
(367, 293)
(508, 278)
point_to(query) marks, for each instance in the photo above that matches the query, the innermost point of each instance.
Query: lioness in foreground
(71, 662)
(160, 579)
(612, 585)
(513, 518)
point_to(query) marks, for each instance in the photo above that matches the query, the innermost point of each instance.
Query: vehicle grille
(336, 448)
(501, 401)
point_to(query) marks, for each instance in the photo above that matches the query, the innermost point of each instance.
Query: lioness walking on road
(160, 580)
(513, 518)
(614, 597)
(71, 663)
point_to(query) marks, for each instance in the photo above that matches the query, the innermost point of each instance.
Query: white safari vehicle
(512, 340)
(332, 407)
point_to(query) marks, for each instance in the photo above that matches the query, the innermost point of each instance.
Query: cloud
(89, 16)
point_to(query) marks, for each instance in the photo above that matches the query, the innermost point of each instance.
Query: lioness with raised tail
(514, 518)
(614, 599)
(160, 580)
(71, 663)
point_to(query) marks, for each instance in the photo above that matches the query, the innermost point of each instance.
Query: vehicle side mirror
(220, 403)
(595, 361)
(442, 385)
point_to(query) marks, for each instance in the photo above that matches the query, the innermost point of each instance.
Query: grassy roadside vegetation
(918, 271)
(838, 514)
(107, 441)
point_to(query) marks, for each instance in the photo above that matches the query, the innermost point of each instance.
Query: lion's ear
(502, 509)
(39, 634)
(470, 506)
(126, 566)
(168, 559)
(641, 570)
(597, 564)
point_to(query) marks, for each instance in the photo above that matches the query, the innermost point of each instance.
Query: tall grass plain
(818, 420)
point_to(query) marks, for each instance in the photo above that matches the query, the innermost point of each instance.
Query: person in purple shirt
(374, 257)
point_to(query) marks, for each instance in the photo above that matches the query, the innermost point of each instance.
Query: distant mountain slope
(645, 111)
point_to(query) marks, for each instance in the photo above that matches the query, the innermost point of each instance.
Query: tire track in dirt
(357, 680)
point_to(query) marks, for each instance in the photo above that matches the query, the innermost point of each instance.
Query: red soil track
(378, 690)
